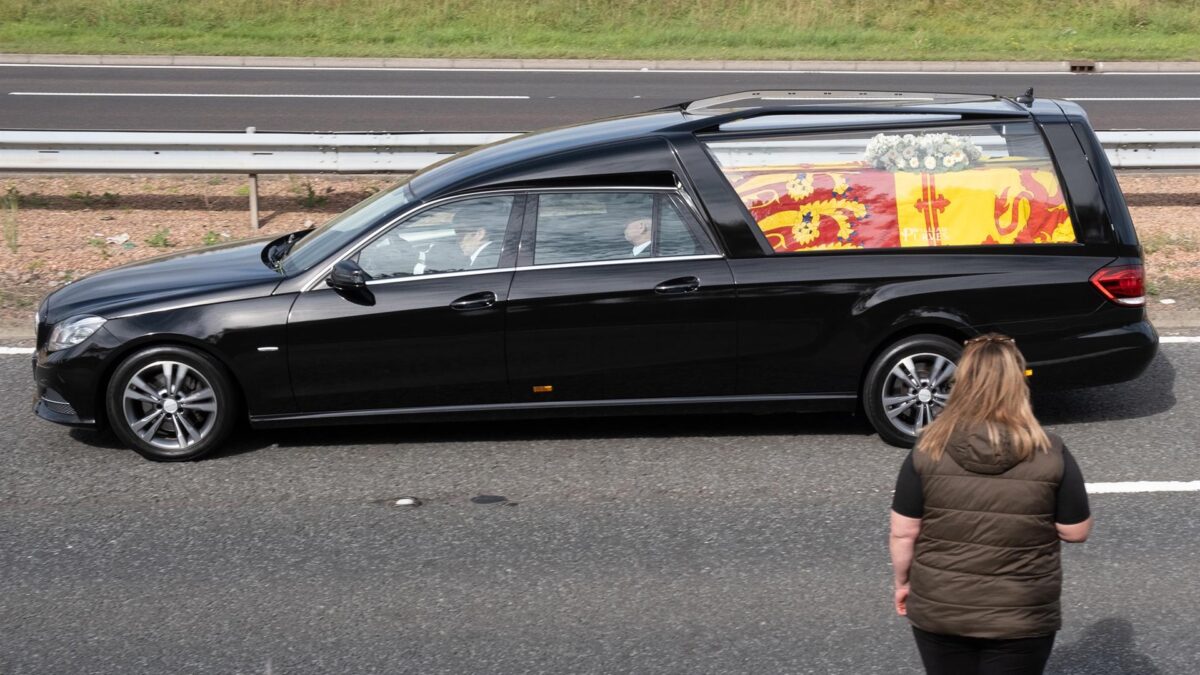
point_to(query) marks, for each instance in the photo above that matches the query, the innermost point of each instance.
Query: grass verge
(665, 29)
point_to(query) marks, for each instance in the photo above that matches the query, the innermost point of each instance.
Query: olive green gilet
(987, 559)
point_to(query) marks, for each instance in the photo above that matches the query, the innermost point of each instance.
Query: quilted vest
(987, 561)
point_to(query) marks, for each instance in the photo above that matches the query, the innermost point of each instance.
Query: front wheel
(170, 404)
(909, 385)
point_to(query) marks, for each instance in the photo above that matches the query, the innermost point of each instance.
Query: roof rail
(817, 96)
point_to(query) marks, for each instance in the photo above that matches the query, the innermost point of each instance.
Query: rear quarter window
(954, 186)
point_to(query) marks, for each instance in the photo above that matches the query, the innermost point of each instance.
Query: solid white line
(1137, 98)
(964, 73)
(165, 95)
(475, 96)
(1168, 339)
(1144, 486)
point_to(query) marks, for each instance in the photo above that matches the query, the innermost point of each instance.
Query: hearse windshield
(345, 227)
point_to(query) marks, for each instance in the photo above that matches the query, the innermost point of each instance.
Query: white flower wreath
(931, 153)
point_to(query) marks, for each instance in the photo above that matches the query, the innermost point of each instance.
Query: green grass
(675, 29)
(160, 239)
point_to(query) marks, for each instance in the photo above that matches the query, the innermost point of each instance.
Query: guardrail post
(253, 194)
(254, 201)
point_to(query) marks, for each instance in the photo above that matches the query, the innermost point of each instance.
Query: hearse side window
(591, 226)
(459, 236)
(953, 186)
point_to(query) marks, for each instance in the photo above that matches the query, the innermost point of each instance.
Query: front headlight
(74, 330)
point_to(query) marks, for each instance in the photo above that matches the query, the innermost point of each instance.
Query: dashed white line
(16, 351)
(218, 95)
(1177, 339)
(1144, 486)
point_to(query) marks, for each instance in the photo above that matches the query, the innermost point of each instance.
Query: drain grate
(1082, 66)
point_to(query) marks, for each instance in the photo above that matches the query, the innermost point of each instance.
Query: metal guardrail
(247, 153)
(1152, 149)
(228, 152)
(253, 153)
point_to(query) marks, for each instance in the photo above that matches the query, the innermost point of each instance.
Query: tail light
(1123, 284)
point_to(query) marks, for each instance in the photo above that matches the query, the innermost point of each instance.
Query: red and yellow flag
(804, 208)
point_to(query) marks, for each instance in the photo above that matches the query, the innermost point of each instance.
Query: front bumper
(52, 406)
(67, 383)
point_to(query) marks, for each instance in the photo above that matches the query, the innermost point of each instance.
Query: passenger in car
(478, 245)
(637, 233)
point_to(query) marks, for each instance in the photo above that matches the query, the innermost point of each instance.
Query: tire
(171, 404)
(904, 374)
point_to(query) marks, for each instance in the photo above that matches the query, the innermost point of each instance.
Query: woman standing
(981, 505)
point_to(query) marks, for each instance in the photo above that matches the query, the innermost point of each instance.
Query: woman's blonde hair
(989, 391)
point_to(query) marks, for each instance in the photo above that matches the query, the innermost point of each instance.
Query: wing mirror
(347, 276)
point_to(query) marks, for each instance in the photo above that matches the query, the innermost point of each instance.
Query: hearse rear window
(955, 186)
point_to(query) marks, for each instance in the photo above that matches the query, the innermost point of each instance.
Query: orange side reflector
(1029, 372)
(542, 388)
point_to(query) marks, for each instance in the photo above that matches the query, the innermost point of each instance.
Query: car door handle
(474, 301)
(680, 285)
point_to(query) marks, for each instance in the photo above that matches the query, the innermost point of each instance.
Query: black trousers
(957, 655)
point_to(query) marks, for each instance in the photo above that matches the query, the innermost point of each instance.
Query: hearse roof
(756, 111)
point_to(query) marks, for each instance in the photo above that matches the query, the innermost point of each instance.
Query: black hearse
(760, 251)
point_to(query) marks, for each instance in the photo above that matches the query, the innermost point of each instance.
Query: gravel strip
(60, 227)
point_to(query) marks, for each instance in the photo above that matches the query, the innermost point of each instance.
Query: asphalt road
(732, 544)
(197, 99)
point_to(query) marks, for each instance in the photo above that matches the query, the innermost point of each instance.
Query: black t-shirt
(1071, 505)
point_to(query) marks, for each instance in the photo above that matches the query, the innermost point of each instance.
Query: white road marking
(1092, 488)
(172, 95)
(481, 96)
(1137, 98)
(1144, 486)
(964, 73)
(1168, 339)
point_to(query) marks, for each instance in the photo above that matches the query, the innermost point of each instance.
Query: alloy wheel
(916, 390)
(170, 405)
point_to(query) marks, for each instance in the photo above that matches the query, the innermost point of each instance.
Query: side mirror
(347, 276)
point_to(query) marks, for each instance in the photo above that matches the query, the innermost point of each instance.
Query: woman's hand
(902, 600)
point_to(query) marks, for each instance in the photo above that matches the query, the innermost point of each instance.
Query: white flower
(930, 152)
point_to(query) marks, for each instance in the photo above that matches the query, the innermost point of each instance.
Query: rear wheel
(909, 385)
(170, 404)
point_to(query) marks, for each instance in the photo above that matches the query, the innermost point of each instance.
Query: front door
(428, 330)
(618, 295)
